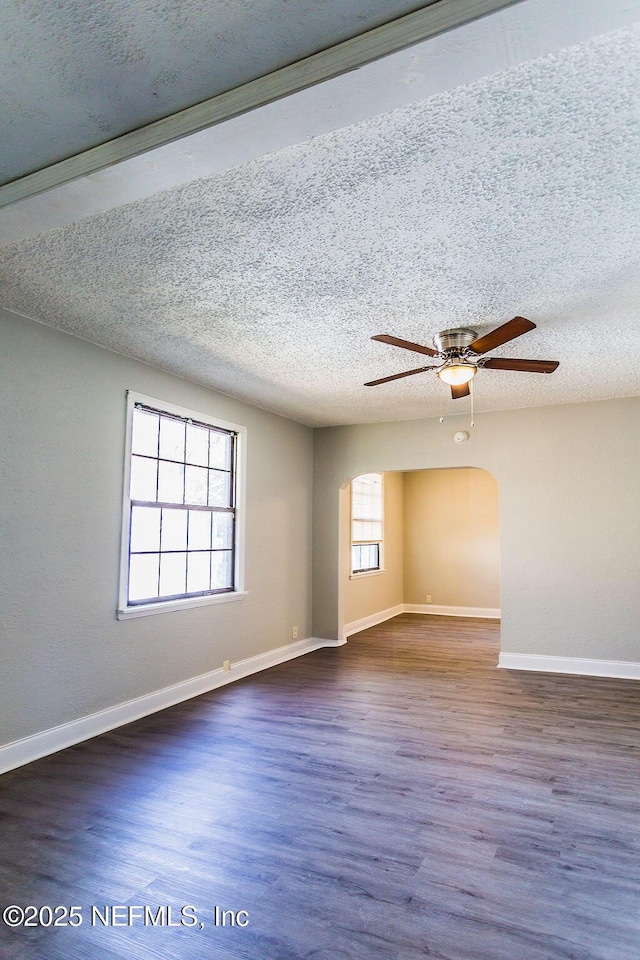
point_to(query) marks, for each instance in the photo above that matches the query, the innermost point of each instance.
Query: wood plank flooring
(393, 799)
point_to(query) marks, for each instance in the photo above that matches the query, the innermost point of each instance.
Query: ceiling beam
(429, 21)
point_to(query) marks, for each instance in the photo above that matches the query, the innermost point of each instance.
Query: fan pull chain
(471, 392)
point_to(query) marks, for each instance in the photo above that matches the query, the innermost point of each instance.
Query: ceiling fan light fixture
(455, 374)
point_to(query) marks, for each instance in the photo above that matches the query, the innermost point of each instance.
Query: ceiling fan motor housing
(452, 343)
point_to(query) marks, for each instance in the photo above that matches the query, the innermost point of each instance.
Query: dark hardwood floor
(393, 799)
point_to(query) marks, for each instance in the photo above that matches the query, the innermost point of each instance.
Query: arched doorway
(441, 551)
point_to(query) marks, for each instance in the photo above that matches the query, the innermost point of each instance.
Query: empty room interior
(320, 459)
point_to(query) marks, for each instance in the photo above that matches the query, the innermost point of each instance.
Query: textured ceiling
(517, 194)
(75, 74)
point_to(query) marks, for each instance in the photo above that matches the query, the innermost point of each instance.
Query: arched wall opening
(441, 551)
(569, 523)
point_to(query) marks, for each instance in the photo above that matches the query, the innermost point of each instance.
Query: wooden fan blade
(526, 366)
(406, 344)
(397, 376)
(462, 390)
(508, 331)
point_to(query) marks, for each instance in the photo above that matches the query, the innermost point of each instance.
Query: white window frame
(125, 610)
(375, 572)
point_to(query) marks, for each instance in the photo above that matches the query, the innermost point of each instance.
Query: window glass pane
(220, 450)
(143, 478)
(221, 570)
(145, 529)
(198, 571)
(195, 485)
(197, 445)
(186, 547)
(219, 489)
(199, 530)
(174, 529)
(222, 531)
(173, 574)
(170, 482)
(367, 511)
(143, 576)
(365, 556)
(172, 437)
(145, 433)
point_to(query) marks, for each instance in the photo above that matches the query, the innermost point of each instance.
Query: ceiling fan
(458, 352)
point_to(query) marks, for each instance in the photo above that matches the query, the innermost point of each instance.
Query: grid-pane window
(367, 515)
(182, 509)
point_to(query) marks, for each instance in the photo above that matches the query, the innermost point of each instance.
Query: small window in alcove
(367, 517)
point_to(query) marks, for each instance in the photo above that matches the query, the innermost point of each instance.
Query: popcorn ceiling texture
(518, 194)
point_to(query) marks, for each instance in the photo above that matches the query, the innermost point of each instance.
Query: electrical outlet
(428, 598)
(226, 665)
(294, 633)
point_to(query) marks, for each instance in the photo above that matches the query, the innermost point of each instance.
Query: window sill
(366, 573)
(149, 609)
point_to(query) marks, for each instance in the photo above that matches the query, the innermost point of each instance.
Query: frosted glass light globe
(456, 374)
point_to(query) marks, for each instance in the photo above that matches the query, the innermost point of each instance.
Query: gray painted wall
(569, 482)
(64, 655)
(569, 511)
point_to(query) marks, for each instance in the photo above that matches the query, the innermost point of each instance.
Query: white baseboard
(371, 621)
(438, 610)
(621, 669)
(375, 618)
(23, 751)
